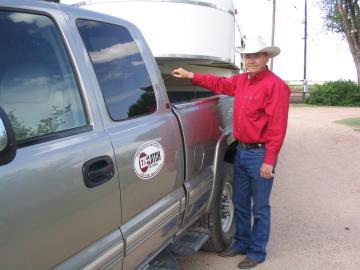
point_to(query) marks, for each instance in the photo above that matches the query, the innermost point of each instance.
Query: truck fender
(219, 216)
(224, 154)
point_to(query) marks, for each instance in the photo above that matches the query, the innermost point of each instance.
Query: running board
(164, 261)
(190, 241)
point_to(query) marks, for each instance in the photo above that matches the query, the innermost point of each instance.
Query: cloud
(137, 63)
(89, 24)
(114, 76)
(114, 52)
(40, 21)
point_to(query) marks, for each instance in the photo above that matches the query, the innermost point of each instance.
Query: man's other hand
(182, 73)
(266, 171)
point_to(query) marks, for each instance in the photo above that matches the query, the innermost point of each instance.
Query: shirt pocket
(253, 107)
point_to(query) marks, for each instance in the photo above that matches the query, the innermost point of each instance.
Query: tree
(45, 126)
(343, 16)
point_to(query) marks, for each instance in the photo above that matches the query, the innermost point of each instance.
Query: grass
(351, 122)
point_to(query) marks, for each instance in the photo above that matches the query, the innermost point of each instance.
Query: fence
(297, 90)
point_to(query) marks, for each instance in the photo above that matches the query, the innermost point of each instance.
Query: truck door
(58, 203)
(144, 133)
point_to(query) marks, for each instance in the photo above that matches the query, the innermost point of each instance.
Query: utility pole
(305, 51)
(273, 32)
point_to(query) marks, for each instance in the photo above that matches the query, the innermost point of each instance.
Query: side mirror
(7, 139)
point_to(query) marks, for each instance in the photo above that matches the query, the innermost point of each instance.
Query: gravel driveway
(315, 199)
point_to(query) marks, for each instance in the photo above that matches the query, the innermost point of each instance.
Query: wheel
(220, 219)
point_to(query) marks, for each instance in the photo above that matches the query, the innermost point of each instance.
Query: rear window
(120, 69)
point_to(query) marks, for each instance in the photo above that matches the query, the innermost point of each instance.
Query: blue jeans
(251, 196)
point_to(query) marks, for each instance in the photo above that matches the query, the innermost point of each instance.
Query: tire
(220, 219)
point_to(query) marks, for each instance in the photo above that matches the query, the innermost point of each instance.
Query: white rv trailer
(196, 35)
(196, 32)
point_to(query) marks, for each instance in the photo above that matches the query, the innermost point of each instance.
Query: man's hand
(266, 171)
(182, 73)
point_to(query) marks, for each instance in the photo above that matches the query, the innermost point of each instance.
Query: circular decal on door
(149, 159)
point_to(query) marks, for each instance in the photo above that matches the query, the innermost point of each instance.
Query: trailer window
(180, 91)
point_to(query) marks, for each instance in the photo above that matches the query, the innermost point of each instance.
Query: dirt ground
(315, 198)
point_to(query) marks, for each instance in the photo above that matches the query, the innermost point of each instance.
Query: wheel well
(230, 152)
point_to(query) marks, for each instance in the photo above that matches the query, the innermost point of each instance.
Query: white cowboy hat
(256, 44)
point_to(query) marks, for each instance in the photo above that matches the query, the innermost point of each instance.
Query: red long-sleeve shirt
(260, 109)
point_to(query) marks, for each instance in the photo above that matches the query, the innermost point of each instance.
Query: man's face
(256, 62)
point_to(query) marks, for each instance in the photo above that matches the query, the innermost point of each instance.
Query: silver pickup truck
(102, 167)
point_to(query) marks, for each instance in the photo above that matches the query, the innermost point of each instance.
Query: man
(259, 123)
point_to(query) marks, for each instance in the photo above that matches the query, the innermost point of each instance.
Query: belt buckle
(260, 145)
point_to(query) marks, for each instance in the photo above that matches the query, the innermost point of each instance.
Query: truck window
(38, 89)
(120, 69)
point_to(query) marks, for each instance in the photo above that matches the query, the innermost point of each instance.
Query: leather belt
(249, 146)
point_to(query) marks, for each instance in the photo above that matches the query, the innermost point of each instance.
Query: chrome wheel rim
(227, 208)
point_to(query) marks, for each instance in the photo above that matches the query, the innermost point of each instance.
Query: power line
(273, 32)
(295, 20)
(305, 49)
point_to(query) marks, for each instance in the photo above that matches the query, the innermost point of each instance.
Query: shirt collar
(259, 75)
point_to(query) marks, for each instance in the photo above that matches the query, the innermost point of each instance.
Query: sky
(328, 55)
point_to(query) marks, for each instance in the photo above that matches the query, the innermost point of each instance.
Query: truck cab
(99, 169)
